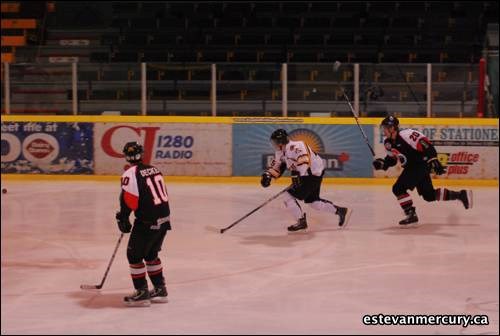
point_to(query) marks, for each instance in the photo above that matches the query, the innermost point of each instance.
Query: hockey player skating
(307, 171)
(418, 157)
(144, 191)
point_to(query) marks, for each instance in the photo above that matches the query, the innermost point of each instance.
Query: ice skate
(158, 295)
(140, 298)
(344, 215)
(411, 217)
(466, 198)
(301, 225)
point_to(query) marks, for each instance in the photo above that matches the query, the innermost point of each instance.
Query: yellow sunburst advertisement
(341, 146)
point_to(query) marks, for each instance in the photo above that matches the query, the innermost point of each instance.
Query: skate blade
(409, 226)
(469, 196)
(301, 231)
(159, 300)
(346, 220)
(143, 303)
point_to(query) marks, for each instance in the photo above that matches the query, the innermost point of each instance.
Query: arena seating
(244, 32)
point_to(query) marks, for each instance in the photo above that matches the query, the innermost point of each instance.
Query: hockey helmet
(133, 152)
(279, 138)
(390, 121)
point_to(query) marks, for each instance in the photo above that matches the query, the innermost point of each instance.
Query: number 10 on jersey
(157, 188)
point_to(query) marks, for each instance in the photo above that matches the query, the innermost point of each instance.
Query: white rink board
(467, 152)
(176, 149)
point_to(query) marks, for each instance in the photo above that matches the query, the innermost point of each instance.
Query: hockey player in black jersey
(418, 158)
(144, 192)
(307, 169)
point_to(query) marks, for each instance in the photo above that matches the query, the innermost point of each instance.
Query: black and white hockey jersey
(145, 193)
(410, 147)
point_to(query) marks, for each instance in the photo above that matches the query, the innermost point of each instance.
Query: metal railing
(253, 89)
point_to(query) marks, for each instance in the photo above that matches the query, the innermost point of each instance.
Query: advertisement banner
(466, 152)
(176, 149)
(342, 147)
(47, 148)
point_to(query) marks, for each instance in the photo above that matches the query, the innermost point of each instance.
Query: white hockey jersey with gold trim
(297, 156)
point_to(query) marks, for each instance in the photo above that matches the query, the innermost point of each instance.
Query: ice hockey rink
(256, 278)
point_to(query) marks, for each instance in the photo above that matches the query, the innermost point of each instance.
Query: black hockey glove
(435, 165)
(296, 179)
(265, 181)
(379, 164)
(123, 223)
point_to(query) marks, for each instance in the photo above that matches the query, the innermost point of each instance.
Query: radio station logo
(157, 145)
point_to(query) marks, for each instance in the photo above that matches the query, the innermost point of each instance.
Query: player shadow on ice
(424, 229)
(95, 299)
(285, 240)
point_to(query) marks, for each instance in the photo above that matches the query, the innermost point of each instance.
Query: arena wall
(237, 148)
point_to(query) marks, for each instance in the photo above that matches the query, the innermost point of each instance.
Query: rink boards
(233, 147)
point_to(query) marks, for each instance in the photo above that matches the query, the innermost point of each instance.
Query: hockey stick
(251, 212)
(336, 67)
(99, 286)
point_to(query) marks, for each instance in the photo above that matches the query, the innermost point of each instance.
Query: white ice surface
(255, 278)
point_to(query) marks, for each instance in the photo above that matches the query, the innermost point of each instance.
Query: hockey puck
(4, 191)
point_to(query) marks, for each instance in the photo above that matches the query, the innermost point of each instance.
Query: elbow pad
(428, 149)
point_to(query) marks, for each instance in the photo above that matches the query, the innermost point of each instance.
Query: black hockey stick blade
(107, 269)
(90, 287)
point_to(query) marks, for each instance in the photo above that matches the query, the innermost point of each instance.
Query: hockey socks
(443, 194)
(293, 207)
(325, 205)
(465, 196)
(405, 201)
(155, 272)
(138, 274)
(406, 204)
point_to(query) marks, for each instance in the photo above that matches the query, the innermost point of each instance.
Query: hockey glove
(379, 164)
(296, 179)
(436, 166)
(123, 223)
(265, 181)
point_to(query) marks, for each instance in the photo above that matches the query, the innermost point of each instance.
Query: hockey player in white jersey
(307, 169)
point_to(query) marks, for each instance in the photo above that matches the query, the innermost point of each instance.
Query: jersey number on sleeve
(125, 181)
(158, 188)
(414, 136)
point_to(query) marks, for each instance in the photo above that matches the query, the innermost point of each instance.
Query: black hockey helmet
(279, 138)
(133, 152)
(390, 121)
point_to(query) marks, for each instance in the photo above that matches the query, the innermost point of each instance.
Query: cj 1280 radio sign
(169, 147)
